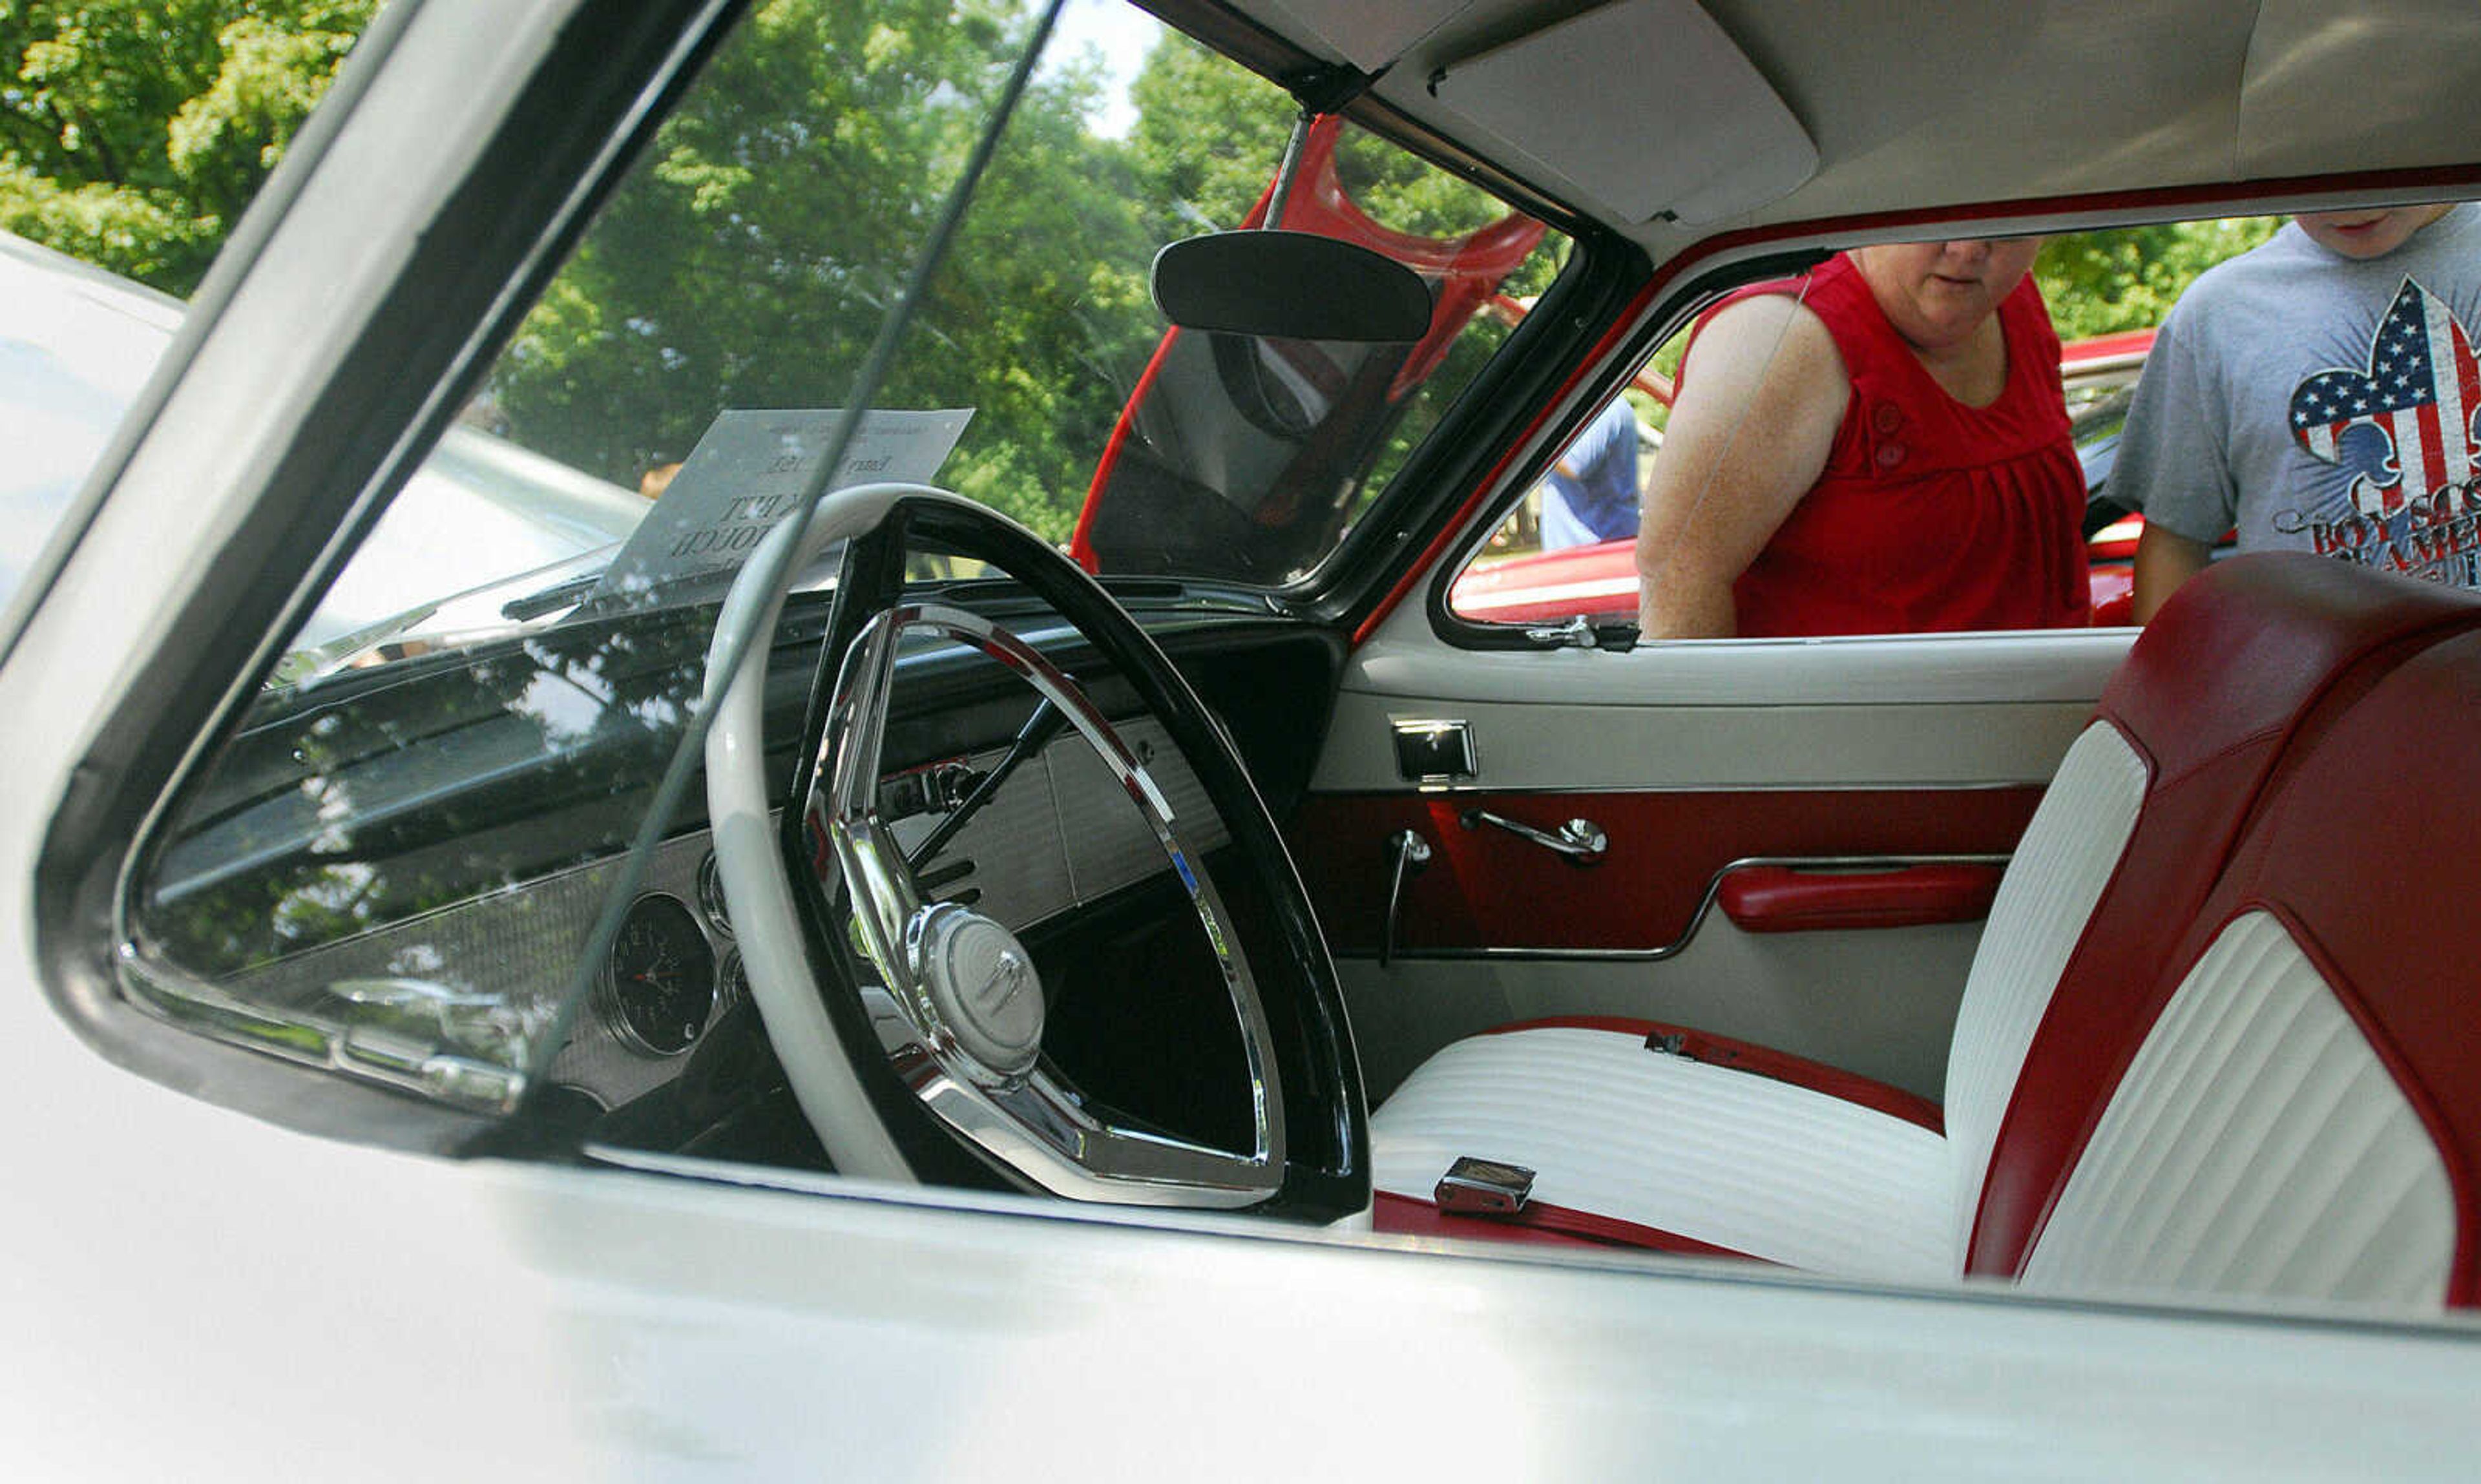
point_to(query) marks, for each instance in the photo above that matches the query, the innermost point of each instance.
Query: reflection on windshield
(372, 798)
(75, 346)
(444, 733)
(298, 904)
(77, 343)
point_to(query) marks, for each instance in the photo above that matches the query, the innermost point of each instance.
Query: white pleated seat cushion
(1760, 1167)
(1770, 1169)
(2258, 1144)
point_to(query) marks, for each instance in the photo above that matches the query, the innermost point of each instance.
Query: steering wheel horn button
(980, 987)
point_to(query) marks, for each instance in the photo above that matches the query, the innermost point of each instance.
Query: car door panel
(1695, 765)
(1486, 887)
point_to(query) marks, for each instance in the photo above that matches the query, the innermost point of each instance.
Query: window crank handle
(1410, 852)
(1580, 841)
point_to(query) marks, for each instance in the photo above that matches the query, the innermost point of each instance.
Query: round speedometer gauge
(659, 982)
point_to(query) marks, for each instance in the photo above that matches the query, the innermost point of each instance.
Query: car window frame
(591, 104)
(1673, 307)
(1778, 255)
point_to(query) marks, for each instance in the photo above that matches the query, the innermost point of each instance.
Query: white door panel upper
(1943, 711)
(1619, 745)
(1405, 657)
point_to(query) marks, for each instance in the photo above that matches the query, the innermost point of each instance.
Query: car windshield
(481, 525)
(489, 688)
(698, 347)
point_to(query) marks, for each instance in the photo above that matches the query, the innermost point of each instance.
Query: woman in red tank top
(1878, 448)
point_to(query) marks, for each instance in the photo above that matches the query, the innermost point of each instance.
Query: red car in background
(1600, 581)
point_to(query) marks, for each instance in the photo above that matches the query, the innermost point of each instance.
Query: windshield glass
(78, 342)
(694, 350)
(476, 717)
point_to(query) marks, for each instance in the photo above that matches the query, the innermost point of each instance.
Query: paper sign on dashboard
(747, 475)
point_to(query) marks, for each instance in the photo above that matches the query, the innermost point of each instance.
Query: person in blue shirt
(1592, 494)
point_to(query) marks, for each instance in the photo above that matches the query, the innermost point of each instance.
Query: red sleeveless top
(1930, 515)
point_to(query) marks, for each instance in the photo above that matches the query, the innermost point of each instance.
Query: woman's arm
(1747, 437)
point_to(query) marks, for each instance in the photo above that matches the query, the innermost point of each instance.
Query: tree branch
(92, 138)
(31, 128)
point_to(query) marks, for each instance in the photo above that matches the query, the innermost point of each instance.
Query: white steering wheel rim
(741, 815)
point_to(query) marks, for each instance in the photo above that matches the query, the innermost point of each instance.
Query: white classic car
(1011, 931)
(77, 346)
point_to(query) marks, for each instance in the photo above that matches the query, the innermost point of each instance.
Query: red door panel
(1487, 888)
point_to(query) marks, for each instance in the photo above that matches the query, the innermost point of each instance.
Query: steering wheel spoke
(971, 1003)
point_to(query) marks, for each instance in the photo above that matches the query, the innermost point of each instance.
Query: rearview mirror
(1289, 285)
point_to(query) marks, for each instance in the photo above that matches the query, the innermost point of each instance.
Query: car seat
(1643, 1135)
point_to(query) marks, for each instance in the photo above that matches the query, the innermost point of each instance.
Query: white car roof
(76, 345)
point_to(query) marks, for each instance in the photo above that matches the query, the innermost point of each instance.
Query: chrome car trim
(1581, 841)
(1705, 905)
(1034, 1122)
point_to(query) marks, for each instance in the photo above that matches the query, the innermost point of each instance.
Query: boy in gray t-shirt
(2318, 393)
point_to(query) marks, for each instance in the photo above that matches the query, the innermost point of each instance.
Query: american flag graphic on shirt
(2419, 394)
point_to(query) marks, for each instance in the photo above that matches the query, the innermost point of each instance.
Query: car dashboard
(398, 875)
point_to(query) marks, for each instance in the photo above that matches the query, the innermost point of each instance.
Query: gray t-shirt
(2321, 403)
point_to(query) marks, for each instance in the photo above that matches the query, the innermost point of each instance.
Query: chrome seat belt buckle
(1483, 1187)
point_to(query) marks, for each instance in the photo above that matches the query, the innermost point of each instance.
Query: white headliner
(1923, 104)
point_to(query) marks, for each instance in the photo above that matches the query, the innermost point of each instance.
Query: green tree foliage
(133, 134)
(2097, 282)
(750, 258)
(1208, 134)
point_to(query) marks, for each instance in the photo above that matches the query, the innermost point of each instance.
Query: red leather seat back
(2247, 664)
(2364, 854)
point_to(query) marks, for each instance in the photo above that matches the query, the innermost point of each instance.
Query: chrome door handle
(1580, 841)
(1410, 852)
(1577, 633)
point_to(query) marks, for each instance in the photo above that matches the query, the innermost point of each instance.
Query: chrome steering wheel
(900, 1019)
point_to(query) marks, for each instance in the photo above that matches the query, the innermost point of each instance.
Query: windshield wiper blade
(551, 599)
(300, 666)
(579, 592)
